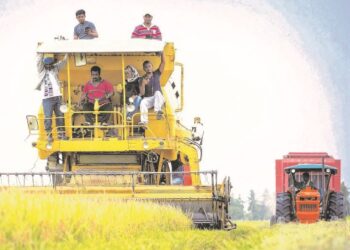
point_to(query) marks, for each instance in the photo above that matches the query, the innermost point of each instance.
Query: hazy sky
(267, 77)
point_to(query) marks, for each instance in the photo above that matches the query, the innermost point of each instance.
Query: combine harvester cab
(303, 201)
(159, 162)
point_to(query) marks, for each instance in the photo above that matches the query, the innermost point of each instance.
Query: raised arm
(59, 65)
(39, 62)
(162, 63)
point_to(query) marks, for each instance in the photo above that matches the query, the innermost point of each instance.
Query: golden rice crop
(51, 221)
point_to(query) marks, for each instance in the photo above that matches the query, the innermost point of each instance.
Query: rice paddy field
(50, 221)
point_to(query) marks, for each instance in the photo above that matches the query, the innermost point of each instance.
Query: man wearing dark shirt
(304, 183)
(85, 29)
(151, 91)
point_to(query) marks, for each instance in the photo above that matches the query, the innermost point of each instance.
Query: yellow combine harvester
(159, 162)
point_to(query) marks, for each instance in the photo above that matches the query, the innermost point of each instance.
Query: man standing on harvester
(50, 87)
(147, 30)
(85, 29)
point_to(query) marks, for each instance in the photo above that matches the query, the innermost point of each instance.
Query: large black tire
(336, 206)
(284, 207)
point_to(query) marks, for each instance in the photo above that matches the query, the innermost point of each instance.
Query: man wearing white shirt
(51, 93)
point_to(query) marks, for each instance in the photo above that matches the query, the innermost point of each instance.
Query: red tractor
(308, 188)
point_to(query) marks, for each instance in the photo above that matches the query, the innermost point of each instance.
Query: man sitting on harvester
(97, 91)
(151, 91)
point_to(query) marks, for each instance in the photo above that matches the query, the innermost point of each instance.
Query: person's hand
(80, 105)
(88, 31)
(145, 80)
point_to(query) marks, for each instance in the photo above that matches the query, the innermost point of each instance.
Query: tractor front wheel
(335, 206)
(283, 207)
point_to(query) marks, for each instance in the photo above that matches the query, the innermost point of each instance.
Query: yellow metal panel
(107, 168)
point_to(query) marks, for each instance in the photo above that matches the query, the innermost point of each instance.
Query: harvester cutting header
(114, 131)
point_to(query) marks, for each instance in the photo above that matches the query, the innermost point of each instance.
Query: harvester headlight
(63, 108)
(145, 145)
(293, 171)
(328, 170)
(49, 146)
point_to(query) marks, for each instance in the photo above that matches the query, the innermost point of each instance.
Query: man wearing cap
(85, 29)
(50, 88)
(147, 30)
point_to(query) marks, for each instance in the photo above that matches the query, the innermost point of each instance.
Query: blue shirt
(80, 30)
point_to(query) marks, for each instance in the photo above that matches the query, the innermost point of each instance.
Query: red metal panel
(295, 158)
(279, 176)
(337, 178)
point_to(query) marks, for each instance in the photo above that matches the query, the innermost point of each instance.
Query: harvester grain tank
(124, 160)
(308, 188)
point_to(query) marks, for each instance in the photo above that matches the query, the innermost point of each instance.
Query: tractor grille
(308, 207)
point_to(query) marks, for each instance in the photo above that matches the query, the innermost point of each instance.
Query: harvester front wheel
(284, 207)
(335, 206)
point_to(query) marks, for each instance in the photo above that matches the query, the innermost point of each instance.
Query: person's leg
(158, 104)
(137, 103)
(104, 117)
(89, 117)
(59, 116)
(146, 103)
(48, 110)
(118, 99)
(159, 101)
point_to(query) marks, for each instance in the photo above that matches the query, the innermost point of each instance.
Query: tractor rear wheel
(283, 207)
(335, 206)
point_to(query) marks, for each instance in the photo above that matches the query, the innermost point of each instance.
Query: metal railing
(89, 131)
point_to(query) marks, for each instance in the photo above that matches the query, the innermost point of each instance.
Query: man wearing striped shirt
(147, 30)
